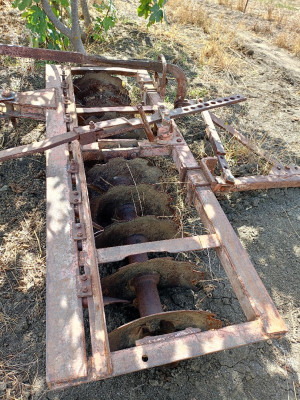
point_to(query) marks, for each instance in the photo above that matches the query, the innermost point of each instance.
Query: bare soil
(267, 222)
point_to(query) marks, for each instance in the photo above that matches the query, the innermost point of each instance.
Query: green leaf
(24, 4)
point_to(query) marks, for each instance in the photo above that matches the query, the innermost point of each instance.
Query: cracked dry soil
(267, 222)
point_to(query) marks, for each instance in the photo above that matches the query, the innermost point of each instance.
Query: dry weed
(226, 3)
(188, 12)
(240, 5)
(218, 51)
(289, 41)
(261, 27)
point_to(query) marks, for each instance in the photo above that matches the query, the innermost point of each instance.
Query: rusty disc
(146, 199)
(149, 226)
(171, 273)
(135, 171)
(159, 324)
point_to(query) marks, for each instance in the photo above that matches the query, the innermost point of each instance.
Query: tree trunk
(86, 13)
(76, 31)
(74, 34)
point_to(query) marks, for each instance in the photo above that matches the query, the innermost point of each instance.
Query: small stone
(4, 188)
(255, 202)
(153, 382)
(3, 386)
(269, 341)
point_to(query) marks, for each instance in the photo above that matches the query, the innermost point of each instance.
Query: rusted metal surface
(45, 98)
(146, 125)
(259, 182)
(145, 287)
(126, 335)
(243, 140)
(73, 57)
(100, 360)
(119, 125)
(253, 297)
(193, 243)
(65, 339)
(120, 109)
(171, 273)
(72, 259)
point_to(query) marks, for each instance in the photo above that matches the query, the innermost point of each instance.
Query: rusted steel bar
(184, 347)
(109, 70)
(247, 285)
(124, 109)
(101, 361)
(193, 243)
(244, 141)
(37, 147)
(217, 146)
(261, 182)
(9, 112)
(73, 57)
(184, 160)
(146, 125)
(119, 125)
(44, 98)
(65, 339)
(213, 135)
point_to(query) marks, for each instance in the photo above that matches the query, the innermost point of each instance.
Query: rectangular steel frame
(67, 255)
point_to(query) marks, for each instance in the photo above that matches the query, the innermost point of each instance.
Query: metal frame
(71, 256)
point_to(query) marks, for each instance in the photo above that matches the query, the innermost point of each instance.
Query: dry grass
(219, 51)
(226, 3)
(240, 5)
(262, 27)
(281, 20)
(289, 41)
(188, 13)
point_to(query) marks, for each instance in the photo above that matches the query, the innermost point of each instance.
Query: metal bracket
(84, 286)
(79, 232)
(73, 167)
(75, 197)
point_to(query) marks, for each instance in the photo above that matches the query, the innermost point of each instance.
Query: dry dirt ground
(267, 222)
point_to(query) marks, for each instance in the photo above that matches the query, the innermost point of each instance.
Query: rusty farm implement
(104, 207)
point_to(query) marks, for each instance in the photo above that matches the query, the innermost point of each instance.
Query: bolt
(78, 225)
(287, 167)
(279, 168)
(83, 277)
(76, 200)
(75, 193)
(92, 125)
(79, 234)
(84, 289)
(179, 140)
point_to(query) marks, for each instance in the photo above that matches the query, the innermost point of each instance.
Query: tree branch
(86, 13)
(55, 21)
(76, 31)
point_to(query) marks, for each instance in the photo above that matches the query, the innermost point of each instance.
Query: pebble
(4, 188)
(255, 202)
